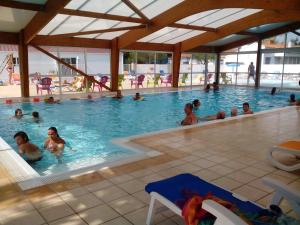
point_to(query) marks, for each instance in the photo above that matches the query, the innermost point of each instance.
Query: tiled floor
(231, 154)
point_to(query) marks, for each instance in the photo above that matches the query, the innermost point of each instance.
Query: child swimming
(54, 143)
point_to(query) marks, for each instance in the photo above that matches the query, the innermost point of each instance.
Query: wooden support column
(24, 71)
(258, 64)
(176, 64)
(218, 61)
(114, 64)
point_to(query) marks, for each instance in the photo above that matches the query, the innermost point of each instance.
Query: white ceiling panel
(159, 7)
(121, 10)
(157, 34)
(185, 37)
(101, 24)
(198, 16)
(142, 3)
(88, 36)
(58, 19)
(171, 35)
(101, 6)
(72, 24)
(111, 35)
(14, 20)
(126, 24)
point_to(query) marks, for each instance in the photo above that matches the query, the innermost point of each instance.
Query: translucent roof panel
(142, 3)
(58, 19)
(195, 17)
(14, 20)
(121, 10)
(111, 35)
(170, 35)
(102, 6)
(72, 24)
(184, 37)
(88, 36)
(100, 24)
(158, 7)
(126, 24)
(157, 34)
(266, 27)
(233, 17)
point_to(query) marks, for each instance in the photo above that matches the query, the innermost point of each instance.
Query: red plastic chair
(167, 80)
(103, 80)
(138, 82)
(44, 85)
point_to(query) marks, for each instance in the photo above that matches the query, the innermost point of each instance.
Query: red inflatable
(8, 101)
(36, 99)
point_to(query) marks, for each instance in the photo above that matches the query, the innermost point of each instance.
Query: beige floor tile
(121, 179)
(259, 184)
(98, 185)
(204, 163)
(207, 175)
(118, 221)
(126, 204)
(167, 222)
(222, 170)
(110, 193)
(23, 218)
(255, 172)
(285, 180)
(188, 168)
(82, 202)
(141, 173)
(98, 215)
(45, 202)
(292, 175)
(151, 178)
(227, 183)
(69, 220)
(74, 192)
(250, 193)
(178, 220)
(132, 186)
(142, 196)
(234, 165)
(242, 177)
(51, 213)
(139, 216)
(217, 159)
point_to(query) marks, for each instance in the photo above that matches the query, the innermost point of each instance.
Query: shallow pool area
(90, 126)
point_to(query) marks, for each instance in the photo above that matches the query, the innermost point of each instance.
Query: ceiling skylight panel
(184, 37)
(233, 17)
(101, 6)
(198, 16)
(215, 16)
(111, 35)
(101, 24)
(121, 10)
(142, 3)
(75, 4)
(58, 19)
(73, 24)
(159, 7)
(170, 35)
(126, 24)
(157, 34)
(88, 36)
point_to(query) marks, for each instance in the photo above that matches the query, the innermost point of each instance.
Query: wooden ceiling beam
(135, 9)
(96, 31)
(260, 18)
(192, 27)
(247, 33)
(41, 19)
(22, 5)
(96, 15)
(9, 38)
(71, 42)
(191, 7)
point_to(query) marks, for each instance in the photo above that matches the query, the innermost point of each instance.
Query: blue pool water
(90, 126)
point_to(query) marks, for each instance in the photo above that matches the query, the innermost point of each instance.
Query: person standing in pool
(246, 108)
(190, 117)
(234, 112)
(196, 104)
(118, 95)
(29, 151)
(251, 72)
(292, 99)
(36, 117)
(54, 143)
(18, 114)
(138, 97)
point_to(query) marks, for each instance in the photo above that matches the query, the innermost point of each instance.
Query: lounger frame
(279, 165)
(225, 216)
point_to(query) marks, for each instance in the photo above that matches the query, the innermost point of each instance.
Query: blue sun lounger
(169, 191)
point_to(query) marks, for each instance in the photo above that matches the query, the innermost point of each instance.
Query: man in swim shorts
(190, 117)
(30, 151)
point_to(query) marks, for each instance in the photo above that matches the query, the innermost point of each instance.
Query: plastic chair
(138, 81)
(121, 79)
(167, 80)
(103, 80)
(45, 84)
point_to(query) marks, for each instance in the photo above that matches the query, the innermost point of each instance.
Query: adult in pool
(292, 99)
(246, 108)
(30, 151)
(190, 117)
(219, 116)
(234, 112)
(138, 97)
(54, 143)
(36, 117)
(18, 114)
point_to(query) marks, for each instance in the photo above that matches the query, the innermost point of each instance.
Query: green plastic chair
(184, 78)
(120, 80)
(226, 79)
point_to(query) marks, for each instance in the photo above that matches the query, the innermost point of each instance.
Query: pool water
(89, 127)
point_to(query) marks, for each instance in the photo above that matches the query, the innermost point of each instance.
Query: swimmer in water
(219, 116)
(292, 99)
(207, 88)
(29, 151)
(18, 114)
(54, 143)
(118, 95)
(246, 108)
(138, 97)
(215, 86)
(234, 112)
(190, 117)
(36, 117)
(51, 100)
(196, 104)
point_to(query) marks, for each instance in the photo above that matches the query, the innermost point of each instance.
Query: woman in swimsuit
(54, 143)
